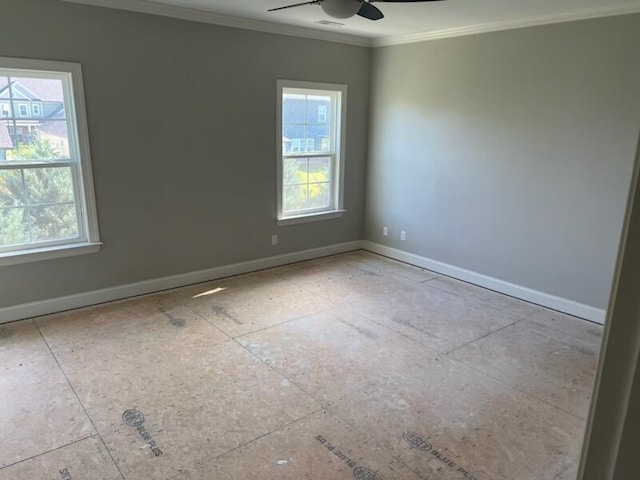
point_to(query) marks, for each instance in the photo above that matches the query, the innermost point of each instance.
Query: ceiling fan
(349, 8)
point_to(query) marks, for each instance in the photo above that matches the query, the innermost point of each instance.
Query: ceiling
(403, 22)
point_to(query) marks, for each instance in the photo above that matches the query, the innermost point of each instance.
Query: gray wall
(509, 153)
(182, 130)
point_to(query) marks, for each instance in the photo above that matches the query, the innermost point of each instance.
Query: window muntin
(46, 193)
(311, 120)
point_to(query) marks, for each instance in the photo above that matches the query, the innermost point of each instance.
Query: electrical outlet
(403, 235)
(385, 231)
(274, 239)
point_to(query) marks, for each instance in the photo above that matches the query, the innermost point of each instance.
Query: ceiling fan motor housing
(341, 8)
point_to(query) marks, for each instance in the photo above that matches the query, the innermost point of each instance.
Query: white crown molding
(523, 22)
(202, 16)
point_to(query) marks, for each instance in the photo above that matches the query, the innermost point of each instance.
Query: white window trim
(26, 109)
(339, 123)
(322, 114)
(90, 242)
(36, 106)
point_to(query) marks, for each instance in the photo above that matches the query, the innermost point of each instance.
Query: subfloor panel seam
(515, 388)
(492, 332)
(80, 402)
(49, 451)
(355, 429)
(248, 442)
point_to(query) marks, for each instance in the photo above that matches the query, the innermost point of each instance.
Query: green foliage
(305, 183)
(33, 201)
(13, 228)
(38, 147)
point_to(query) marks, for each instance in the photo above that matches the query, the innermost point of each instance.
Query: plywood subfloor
(352, 366)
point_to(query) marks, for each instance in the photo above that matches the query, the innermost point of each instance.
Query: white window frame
(36, 106)
(24, 105)
(322, 114)
(88, 240)
(338, 125)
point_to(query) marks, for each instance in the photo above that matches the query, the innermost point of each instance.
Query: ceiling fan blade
(370, 11)
(294, 5)
(404, 1)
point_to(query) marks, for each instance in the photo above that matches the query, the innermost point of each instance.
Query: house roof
(5, 138)
(44, 89)
(54, 128)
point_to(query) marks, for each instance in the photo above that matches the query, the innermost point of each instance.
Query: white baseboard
(59, 304)
(534, 296)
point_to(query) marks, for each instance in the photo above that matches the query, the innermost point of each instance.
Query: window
(23, 109)
(5, 109)
(47, 206)
(36, 109)
(322, 113)
(311, 119)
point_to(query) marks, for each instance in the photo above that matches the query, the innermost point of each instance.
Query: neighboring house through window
(322, 113)
(303, 145)
(311, 120)
(47, 206)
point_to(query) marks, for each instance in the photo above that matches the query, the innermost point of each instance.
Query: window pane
(318, 195)
(49, 211)
(13, 226)
(294, 197)
(49, 185)
(11, 188)
(293, 108)
(319, 169)
(53, 222)
(295, 171)
(40, 127)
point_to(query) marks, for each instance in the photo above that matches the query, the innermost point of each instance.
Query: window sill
(310, 217)
(48, 253)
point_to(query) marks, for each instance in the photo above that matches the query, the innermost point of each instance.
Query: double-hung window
(23, 109)
(47, 206)
(310, 137)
